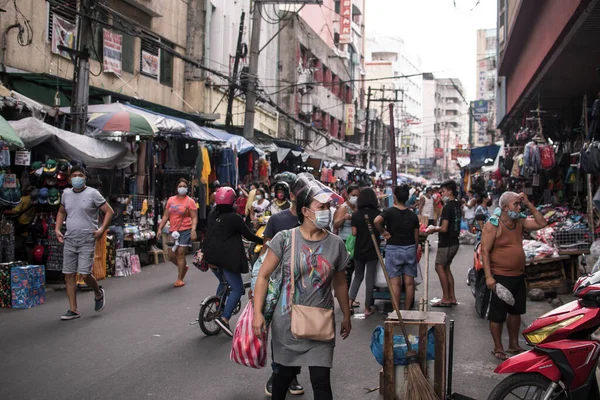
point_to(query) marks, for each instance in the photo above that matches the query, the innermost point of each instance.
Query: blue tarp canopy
(241, 144)
(480, 154)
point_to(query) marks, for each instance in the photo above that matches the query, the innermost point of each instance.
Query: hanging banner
(63, 34)
(350, 119)
(439, 153)
(23, 157)
(480, 107)
(149, 63)
(345, 21)
(112, 52)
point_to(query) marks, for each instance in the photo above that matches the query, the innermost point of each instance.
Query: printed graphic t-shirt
(180, 218)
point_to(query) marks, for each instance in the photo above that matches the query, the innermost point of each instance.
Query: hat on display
(37, 168)
(63, 166)
(51, 181)
(43, 196)
(34, 195)
(62, 180)
(53, 197)
(50, 167)
(38, 253)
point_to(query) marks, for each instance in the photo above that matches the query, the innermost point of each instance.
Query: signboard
(439, 153)
(481, 87)
(112, 52)
(345, 21)
(456, 153)
(23, 157)
(426, 162)
(63, 34)
(149, 63)
(481, 107)
(350, 119)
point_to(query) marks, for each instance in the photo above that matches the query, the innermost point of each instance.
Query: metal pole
(236, 64)
(590, 204)
(393, 146)
(366, 160)
(471, 121)
(253, 71)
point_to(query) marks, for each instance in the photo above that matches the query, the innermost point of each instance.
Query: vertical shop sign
(63, 34)
(112, 52)
(350, 115)
(345, 21)
(439, 153)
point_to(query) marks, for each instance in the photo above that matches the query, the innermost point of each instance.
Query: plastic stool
(155, 251)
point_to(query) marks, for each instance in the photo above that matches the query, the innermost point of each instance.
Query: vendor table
(545, 273)
(422, 320)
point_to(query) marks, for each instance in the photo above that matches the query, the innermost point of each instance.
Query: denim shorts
(78, 254)
(185, 238)
(401, 260)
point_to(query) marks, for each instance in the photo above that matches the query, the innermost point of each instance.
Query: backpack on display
(547, 157)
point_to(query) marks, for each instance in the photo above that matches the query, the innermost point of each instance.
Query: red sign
(346, 21)
(439, 153)
(455, 153)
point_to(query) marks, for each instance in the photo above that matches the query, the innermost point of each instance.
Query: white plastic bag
(504, 294)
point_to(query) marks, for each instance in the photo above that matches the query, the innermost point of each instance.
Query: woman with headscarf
(318, 271)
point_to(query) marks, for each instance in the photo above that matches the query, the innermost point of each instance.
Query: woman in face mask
(318, 270)
(341, 224)
(260, 205)
(482, 213)
(182, 214)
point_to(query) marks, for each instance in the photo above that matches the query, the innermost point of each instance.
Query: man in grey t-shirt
(80, 206)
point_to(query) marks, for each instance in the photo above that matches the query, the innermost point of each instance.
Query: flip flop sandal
(355, 304)
(442, 305)
(179, 283)
(500, 355)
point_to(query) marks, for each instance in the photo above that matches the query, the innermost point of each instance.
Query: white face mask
(322, 218)
(259, 197)
(241, 193)
(182, 191)
(353, 200)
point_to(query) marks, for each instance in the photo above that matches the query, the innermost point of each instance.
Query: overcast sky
(442, 34)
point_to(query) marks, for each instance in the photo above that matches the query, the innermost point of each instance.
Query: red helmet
(38, 253)
(225, 195)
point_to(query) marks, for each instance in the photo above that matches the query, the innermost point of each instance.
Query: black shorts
(496, 309)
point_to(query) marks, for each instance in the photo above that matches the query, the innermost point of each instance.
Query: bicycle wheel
(237, 308)
(209, 311)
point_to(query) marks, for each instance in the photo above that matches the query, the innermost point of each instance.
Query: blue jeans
(118, 231)
(237, 289)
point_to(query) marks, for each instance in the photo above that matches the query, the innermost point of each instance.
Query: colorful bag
(275, 283)
(247, 349)
(199, 261)
(547, 157)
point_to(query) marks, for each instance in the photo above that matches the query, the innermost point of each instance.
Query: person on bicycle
(281, 202)
(224, 250)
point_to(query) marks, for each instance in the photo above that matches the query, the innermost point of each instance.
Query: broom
(418, 387)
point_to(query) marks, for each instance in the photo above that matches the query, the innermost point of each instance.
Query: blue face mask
(513, 214)
(78, 182)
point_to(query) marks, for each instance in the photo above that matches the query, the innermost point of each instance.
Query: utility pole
(366, 160)
(81, 72)
(253, 70)
(393, 146)
(471, 122)
(232, 86)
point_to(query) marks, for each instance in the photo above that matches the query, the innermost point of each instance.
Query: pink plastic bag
(135, 264)
(248, 349)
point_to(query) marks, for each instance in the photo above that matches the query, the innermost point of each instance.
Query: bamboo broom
(418, 387)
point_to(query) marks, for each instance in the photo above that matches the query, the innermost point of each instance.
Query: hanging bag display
(312, 323)
(589, 160)
(547, 157)
(247, 349)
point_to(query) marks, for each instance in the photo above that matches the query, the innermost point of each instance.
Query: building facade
(484, 108)
(398, 71)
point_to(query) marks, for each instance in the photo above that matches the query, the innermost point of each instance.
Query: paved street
(143, 346)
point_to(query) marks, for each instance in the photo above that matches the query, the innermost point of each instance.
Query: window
(166, 65)
(96, 46)
(336, 6)
(128, 53)
(67, 11)
(149, 59)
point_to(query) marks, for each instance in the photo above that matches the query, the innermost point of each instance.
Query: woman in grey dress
(321, 258)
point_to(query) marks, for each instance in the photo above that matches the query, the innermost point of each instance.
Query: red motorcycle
(562, 363)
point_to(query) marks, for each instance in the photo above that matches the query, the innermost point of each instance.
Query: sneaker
(224, 326)
(69, 315)
(296, 388)
(101, 302)
(269, 386)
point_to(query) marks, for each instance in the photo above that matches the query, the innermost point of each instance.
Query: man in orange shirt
(504, 263)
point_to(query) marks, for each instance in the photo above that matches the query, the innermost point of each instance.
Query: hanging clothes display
(226, 169)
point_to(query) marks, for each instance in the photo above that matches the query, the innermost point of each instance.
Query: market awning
(8, 135)
(241, 144)
(479, 155)
(59, 143)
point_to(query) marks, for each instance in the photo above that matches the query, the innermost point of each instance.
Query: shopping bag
(247, 349)
(400, 347)
(350, 244)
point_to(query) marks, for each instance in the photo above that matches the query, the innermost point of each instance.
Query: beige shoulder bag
(313, 323)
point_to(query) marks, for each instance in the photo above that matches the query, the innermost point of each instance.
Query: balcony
(152, 7)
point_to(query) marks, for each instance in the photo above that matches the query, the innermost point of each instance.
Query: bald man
(504, 263)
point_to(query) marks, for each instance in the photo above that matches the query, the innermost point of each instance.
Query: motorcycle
(562, 363)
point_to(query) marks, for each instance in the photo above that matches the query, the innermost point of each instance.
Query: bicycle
(212, 308)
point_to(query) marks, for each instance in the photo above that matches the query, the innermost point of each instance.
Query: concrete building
(483, 129)
(390, 57)
(320, 82)
(446, 116)
(548, 56)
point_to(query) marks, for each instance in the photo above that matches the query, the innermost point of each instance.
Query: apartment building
(484, 121)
